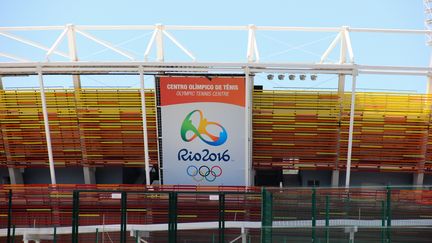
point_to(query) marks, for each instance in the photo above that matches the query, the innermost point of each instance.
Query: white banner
(203, 130)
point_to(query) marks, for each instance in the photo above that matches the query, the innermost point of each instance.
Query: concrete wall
(427, 180)
(324, 177)
(378, 179)
(361, 178)
(291, 181)
(63, 176)
(109, 175)
(113, 175)
(4, 175)
(130, 175)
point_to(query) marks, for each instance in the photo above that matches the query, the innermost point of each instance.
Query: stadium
(207, 151)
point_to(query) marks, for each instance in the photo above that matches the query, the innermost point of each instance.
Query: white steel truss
(251, 65)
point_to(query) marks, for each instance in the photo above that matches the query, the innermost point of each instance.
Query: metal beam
(150, 44)
(350, 132)
(105, 44)
(13, 57)
(73, 53)
(159, 43)
(348, 43)
(144, 122)
(229, 28)
(341, 93)
(333, 44)
(248, 127)
(47, 128)
(30, 43)
(56, 43)
(132, 67)
(174, 40)
(252, 49)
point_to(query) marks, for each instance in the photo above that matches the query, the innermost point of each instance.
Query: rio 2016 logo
(201, 130)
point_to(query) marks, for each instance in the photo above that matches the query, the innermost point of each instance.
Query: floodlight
(281, 76)
(270, 77)
(313, 77)
(291, 77)
(302, 77)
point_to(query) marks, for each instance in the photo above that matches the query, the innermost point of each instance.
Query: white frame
(22, 65)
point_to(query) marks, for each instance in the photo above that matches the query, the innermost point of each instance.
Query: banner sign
(203, 130)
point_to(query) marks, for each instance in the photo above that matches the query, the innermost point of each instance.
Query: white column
(144, 121)
(73, 54)
(341, 92)
(243, 235)
(418, 179)
(47, 128)
(159, 43)
(15, 176)
(350, 132)
(89, 175)
(248, 128)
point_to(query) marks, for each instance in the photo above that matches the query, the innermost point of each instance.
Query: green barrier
(266, 216)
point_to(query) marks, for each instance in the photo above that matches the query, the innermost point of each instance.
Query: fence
(119, 213)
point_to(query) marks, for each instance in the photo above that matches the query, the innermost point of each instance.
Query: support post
(351, 131)
(388, 213)
(9, 217)
(144, 122)
(13, 234)
(418, 178)
(244, 234)
(335, 175)
(75, 216)
(97, 235)
(89, 175)
(15, 175)
(73, 54)
(89, 172)
(327, 219)
(383, 222)
(266, 216)
(55, 235)
(47, 127)
(221, 217)
(159, 43)
(248, 127)
(341, 93)
(123, 222)
(252, 48)
(172, 218)
(313, 214)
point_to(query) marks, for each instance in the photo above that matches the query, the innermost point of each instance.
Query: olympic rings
(204, 172)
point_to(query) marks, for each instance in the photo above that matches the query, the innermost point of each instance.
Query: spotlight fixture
(291, 77)
(281, 76)
(270, 77)
(313, 77)
(302, 77)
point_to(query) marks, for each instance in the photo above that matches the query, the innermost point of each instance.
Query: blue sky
(373, 49)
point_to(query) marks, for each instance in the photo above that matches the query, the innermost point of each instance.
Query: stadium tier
(305, 130)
